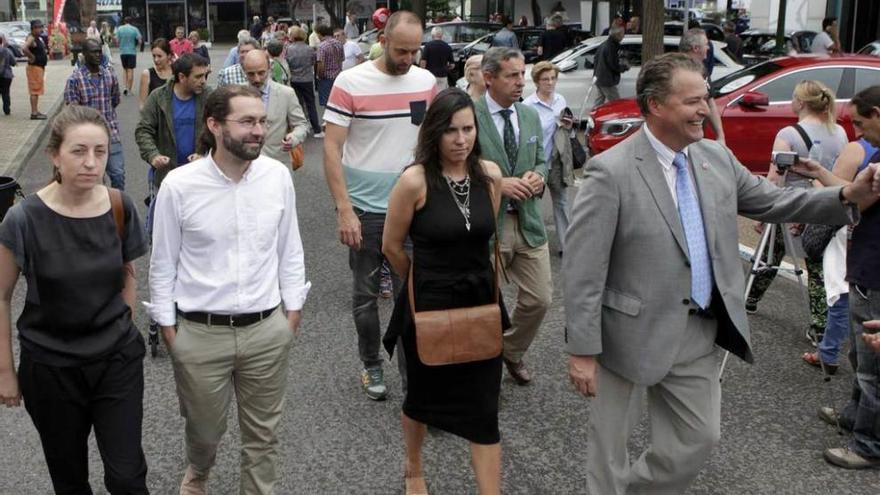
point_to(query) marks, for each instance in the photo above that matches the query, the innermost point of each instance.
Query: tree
(336, 10)
(536, 13)
(653, 17)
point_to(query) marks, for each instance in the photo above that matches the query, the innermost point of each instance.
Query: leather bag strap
(118, 210)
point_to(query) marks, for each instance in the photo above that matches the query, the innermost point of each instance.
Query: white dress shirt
(665, 155)
(495, 111)
(225, 247)
(549, 115)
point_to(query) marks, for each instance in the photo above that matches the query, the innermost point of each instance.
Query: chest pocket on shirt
(417, 111)
(267, 228)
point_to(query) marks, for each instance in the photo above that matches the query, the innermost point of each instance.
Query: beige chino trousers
(213, 362)
(529, 268)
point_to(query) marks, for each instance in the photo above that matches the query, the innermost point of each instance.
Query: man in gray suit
(286, 125)
(654, 280)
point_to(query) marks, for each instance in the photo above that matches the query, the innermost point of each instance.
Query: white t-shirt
(383, 114)
(821, 43)
(352, 51)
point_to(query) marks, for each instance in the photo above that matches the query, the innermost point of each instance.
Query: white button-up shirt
(225, 247)
(665, 155)
(549, 115)
(495, 111)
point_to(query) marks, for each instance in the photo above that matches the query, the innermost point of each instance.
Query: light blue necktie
(694, 232)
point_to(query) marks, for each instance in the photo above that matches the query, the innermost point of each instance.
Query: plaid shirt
(100, 93)
(233, 74)
(332, 53)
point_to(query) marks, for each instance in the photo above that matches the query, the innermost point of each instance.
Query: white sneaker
(318, 135)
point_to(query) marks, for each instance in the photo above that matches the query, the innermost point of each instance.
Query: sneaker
(751, 307)
(373, 381)
(844, 457)
(318, 135)
(194, 483)
(829, 415)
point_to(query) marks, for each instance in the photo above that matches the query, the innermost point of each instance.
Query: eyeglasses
(249, 123)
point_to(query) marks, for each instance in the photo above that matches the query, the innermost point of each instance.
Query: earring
(56, 175)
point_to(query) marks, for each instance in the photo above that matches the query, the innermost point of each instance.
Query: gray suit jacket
(284, 115)
(626, 272)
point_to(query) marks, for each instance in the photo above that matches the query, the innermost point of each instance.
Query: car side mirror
(754, 99)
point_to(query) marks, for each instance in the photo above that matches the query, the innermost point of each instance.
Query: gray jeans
(604, 94)
(862, 414)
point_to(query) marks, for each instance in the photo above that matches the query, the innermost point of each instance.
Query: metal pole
(593, 17)
(780, 28)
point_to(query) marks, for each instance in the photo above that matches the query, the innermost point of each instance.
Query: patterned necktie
(694, 232)
(509, 138)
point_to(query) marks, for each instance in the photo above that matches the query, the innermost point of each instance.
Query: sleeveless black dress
(156, 80)
(452, 269)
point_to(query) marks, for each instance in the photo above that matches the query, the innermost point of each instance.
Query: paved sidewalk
(18, 134)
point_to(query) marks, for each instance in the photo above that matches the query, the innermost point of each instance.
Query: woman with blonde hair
(476, 86)
(815, 134)
(556, 127)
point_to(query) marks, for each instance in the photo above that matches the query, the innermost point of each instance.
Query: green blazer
(529, 157)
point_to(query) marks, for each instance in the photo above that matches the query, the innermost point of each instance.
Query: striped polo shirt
(383, 114)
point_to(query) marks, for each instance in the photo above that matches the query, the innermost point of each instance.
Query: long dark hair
(437, 120)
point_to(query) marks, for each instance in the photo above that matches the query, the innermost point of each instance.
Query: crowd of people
(442, 187)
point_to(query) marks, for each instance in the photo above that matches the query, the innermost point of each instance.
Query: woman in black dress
(160, 73)
(81, 364)
(447, 203)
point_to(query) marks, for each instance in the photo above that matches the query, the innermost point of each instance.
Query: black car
(759, 45)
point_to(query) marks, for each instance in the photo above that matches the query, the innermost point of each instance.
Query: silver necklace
(461, 193)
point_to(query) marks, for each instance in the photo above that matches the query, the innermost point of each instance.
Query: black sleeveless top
(862, 260)
(41, 56)
(156, 80)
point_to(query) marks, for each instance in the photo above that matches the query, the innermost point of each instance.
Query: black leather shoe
(518, 372)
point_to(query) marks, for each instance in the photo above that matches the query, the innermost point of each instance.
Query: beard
(240, 149)
(392, 67)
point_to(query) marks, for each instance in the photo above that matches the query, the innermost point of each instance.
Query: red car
(754, 103)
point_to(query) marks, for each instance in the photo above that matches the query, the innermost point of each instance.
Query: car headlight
(590, 124)
(620, 127)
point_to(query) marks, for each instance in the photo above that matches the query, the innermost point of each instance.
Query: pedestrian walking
(7, 61)
(180, 44)
(671, 200)
(373, 117)
(695, 44)
(437, 58)
(351, 30)
(556, 129)
(94, 85)
(232, 56)
(37, 57)
(92, 32)
(452, 267)
(286, 126)
(106, 42)
(734, 42)
(301, 60)
(827, 42)
(511, 136)
(180, 103)
(329, 58)
(160, 73)
(81, 362)
(198, 47)
(129, 38)
(350, 48)
(609, 67)
(553, 40)
(234, 74)
(476, 86)
(278, 69)
(506, 37)
(227, 254)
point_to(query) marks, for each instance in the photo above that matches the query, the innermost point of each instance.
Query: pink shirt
(179, 47)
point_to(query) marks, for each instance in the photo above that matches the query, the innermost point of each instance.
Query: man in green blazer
(510, 135)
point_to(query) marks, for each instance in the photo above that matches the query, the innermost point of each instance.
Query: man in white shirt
(826, 42)
(226, 253)
(353, 53)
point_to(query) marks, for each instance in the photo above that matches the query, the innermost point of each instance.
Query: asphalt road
(335, 441)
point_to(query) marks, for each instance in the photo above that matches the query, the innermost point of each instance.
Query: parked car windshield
(740, 78)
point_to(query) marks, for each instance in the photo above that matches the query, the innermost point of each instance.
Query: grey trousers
(605, 94)
(684, 411)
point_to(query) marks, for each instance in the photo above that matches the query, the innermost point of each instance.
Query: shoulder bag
(815, 237)
(460, 335)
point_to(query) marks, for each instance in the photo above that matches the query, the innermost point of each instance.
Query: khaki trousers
(684, 411)
(213, 362)
(529, 268)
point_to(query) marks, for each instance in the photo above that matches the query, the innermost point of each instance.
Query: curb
(28, 150)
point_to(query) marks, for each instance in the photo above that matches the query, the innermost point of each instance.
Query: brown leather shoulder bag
(459, 335)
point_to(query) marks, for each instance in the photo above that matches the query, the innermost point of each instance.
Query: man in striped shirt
(373, 117)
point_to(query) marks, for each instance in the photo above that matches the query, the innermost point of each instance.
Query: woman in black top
(81, 355)
(160, 73)
(447, 203)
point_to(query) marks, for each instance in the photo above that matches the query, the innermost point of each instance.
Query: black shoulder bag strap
(800, 130)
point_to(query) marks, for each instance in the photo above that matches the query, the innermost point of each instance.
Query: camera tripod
(764, 259)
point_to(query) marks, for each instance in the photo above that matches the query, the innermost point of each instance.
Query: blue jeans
(116, 166)
(863, 410)
(324, 87)
(836, 330)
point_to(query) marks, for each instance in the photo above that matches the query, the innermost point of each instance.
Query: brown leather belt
(239, 320)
